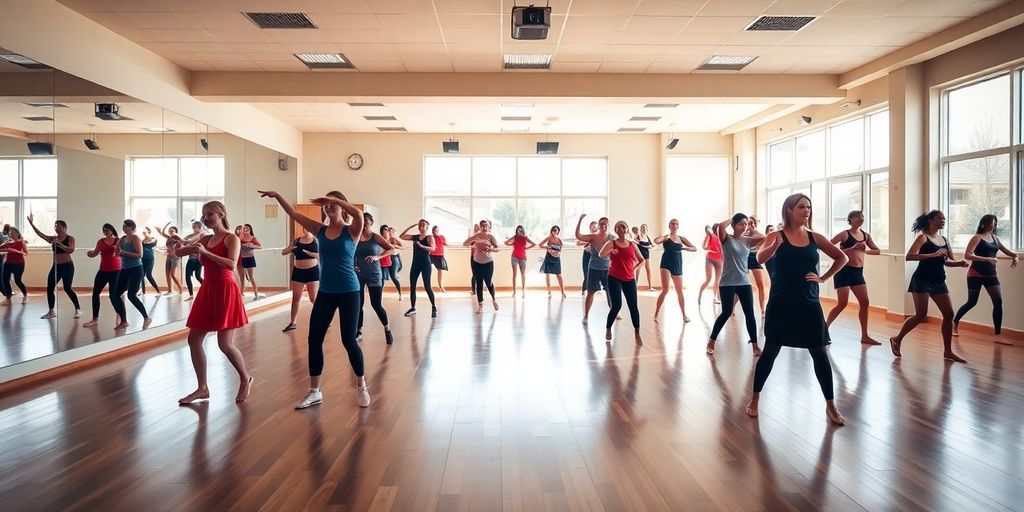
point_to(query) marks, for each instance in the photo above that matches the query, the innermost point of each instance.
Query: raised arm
(543, 243)
(469, 241)
(355, 228)
(723, 229)
(839, 258)
(687, 245)
(313, 226)
(49, 239)
(530, 244)
(388, 248)
(405, 233)
(510, 240)
(771, 244)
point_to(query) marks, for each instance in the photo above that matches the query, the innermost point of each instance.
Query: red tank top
(519, 247)
(16, 258)
(623, 259)
(714, 249)
(213, 270)
(439, 243)
(108, 261)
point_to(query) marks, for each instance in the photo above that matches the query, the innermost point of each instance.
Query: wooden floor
(525, 409)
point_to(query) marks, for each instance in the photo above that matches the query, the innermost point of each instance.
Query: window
(535, 192)
(980, 164)
(172, 189)
(695, 207)
(28, 186)
(834, 166)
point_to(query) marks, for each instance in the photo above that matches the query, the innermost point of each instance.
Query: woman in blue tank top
(339, 287)
(130, 278)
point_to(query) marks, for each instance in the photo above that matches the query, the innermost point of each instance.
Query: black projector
(530, 23)
(108, 111)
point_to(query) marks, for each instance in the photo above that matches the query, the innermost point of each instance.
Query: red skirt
(218, 306)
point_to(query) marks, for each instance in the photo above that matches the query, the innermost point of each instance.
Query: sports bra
(300, 247)
(850, 241)
(58, 250)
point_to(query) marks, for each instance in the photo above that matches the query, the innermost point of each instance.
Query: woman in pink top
(520, 243)
(437, 256)
(625, 260)
(712, 261)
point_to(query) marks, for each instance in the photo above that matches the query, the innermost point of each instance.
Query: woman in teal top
(735, 280)
(129, 248)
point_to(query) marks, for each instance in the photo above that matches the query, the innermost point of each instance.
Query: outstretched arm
(49, 239)
(405, 233)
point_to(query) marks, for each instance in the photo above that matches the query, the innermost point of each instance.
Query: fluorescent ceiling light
(727, 62)
(515, 129)
(159, 129)
(324, 60)
(527, 60)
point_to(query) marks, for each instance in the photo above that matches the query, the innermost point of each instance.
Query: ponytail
(921, 222)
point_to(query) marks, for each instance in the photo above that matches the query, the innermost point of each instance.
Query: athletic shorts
(249, 262)
(597, 279)
(849, 276)
(306, 275)
(519, 262)
(976, 283)
(918, 285)
(439, 262)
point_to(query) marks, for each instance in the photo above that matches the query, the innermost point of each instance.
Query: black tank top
(300, 247)
(792, 264)
(850, 240)
(58, 250)
(932, 269)
(420, 256)
(985, 250)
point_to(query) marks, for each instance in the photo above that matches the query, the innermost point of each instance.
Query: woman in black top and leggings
(931, 251)
(422, 246)
(305, 272)
(63, 266)
(148, 259)
(982, 251)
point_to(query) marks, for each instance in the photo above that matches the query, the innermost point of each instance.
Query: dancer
(625, 259)
(5, 232)
(437, 257)
(422, 246)
(171, 243)
(753, 266)
(16, 249)
(794, 317)
(305, 272)
(672, 266)
(712, 262)
(106, 276)
(369, 251)
(472, 269)
(218, 306)
(643, 240)
(192, 265)
(981, 251)
(129, 248)
(932, 252)
(597, 273)
(391, 265)
(856, 243)
(148, 260)
(63, 268)
(483, 246)
(250, 244)
(520, 243)
(586, 257)
(552, 265)
(339, 287)
(735, 279)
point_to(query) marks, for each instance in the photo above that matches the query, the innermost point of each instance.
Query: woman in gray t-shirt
(735, 280)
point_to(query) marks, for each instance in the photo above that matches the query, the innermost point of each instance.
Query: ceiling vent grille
(280, 20)
(780, 23)
(661, 105)
(324, 60)
(630, 129)
(47, 105)
(380, 118)
(644, 118)
(516, 118)
(38, 118)
(726, 63)
(21, 60)
(357, 104)
(391, 129)
(527, 61)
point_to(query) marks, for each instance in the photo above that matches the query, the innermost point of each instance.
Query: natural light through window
(172, 189)
(28, 186)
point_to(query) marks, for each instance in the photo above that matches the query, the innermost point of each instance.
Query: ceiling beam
(765, 116)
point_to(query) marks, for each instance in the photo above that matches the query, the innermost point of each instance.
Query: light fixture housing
(450, 146)
(40, 148)
(547, 148)
(804, 121)
(91, 144)
(205, 143)
(672, 143)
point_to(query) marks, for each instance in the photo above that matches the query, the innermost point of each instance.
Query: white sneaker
(314, 397)
(364, 396)
(49, 315)
(78, 313)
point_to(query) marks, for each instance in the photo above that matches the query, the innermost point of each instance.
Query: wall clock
(355, 161)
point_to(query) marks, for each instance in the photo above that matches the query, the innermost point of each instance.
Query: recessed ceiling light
(645, 118)
(727, 62)
(661, 105)
(527, 60)
(159, 129)
(21, 60)
(631, 129)
(324, 60)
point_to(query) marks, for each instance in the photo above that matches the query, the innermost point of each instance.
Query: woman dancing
(552, 265)
(422, 246)
(63, 268)
(148, 259)
(753, 266)
(794, 317)
(712, 262)
(193, 268)
(305, 272)
(106, 276)
(391, 265)
(931, 251)
(586, 256)
(735, 279)
(520, 243)
(250, 244)
(981, 252)
(672, 265)
(339, 288)
(218, 306)
(483, 246)
(643, 241)
(16, 249)
(625, 259)
(369, 251)
(171, 264)
(437, 257)
(856, 243)
(597, 274)
(129, 248)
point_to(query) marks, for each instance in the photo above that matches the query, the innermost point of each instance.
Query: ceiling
(587, 36)
(79, 117)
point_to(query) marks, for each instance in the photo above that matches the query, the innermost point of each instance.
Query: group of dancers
(335, 260)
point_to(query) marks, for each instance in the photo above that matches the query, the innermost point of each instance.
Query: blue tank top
(147, 250)
(337, 258)
(369, 272)
(126, 261)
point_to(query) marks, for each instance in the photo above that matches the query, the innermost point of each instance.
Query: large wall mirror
(102, 174)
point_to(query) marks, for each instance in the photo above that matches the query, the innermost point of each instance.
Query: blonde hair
(790, 204)
(338, 195)
(218, 207)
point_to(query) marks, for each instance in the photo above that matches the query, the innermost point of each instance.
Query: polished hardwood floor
(526, 409)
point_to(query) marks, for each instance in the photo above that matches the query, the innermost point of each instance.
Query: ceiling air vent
(380, 118)
(366, 104)
(516, 118)
(21, 60)
(280, 19)
(527, 61)
(644, 118)
(780, 23)
(47, 105)
(726, 63)
(391, 129)
(661, 105)
(38, 118)
(628, 129)
(324, 60)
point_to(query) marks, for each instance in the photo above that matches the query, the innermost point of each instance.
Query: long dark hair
(111, 228)
(985, 219)
(736, 219)
(921, 222)
(383, 229)
(251, 232)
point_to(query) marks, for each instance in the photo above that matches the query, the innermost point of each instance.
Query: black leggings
(616, 289)
(147, 273)
(822, 367)
(375, 297)
(483, 275)
(16, 270)
(746, 295)
(347, 306)
(390, 273)
(129, 281)
(104, 278)
(414, 274)
(996, 294)
(586, 266)
(61, 272)
(192, 267)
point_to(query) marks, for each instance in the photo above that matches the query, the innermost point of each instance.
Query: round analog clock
(355, 161)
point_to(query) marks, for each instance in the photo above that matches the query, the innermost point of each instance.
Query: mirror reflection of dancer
(982, 251)
(735, 280)
(794, 317)
(712, 262)
(624, 260)
(520, 243)
(129, 248)
(597, 273)
(106, 276)
(192, 265)
(171, 264)
(552, 265)
(218, 306)
(643, 241)
(16, 249)
(63, 266)
(339, 288)
(856, 243)
(755, 268)
(586, 257)
(437, 257)
(672, 266)
(247, 261)
(369, 251)
(483, 245)
(422, 246)
(305, 272)
(148, 259)
(391, 265)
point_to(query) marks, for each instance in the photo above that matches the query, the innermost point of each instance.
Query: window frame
(20, 220)
(179, 200)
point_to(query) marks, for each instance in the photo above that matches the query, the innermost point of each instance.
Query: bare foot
(199, 394)
(870, 341)
(637, 338)
(949, 356)
(710, 348)
(752, 408)
(244, 390)
(496, 306)
(757, 350)
(91, 323)
(956, 329)
(121, 326)
(686, 319)
(608, 334)
(1003, 341)
(895, 346)
(833, 415)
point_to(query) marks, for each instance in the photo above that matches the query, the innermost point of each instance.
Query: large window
(980, 163)
(28, 186)
(842, 167)
(172, 189)
(536, 192)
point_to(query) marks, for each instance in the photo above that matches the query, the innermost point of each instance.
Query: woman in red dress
(218, 305)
